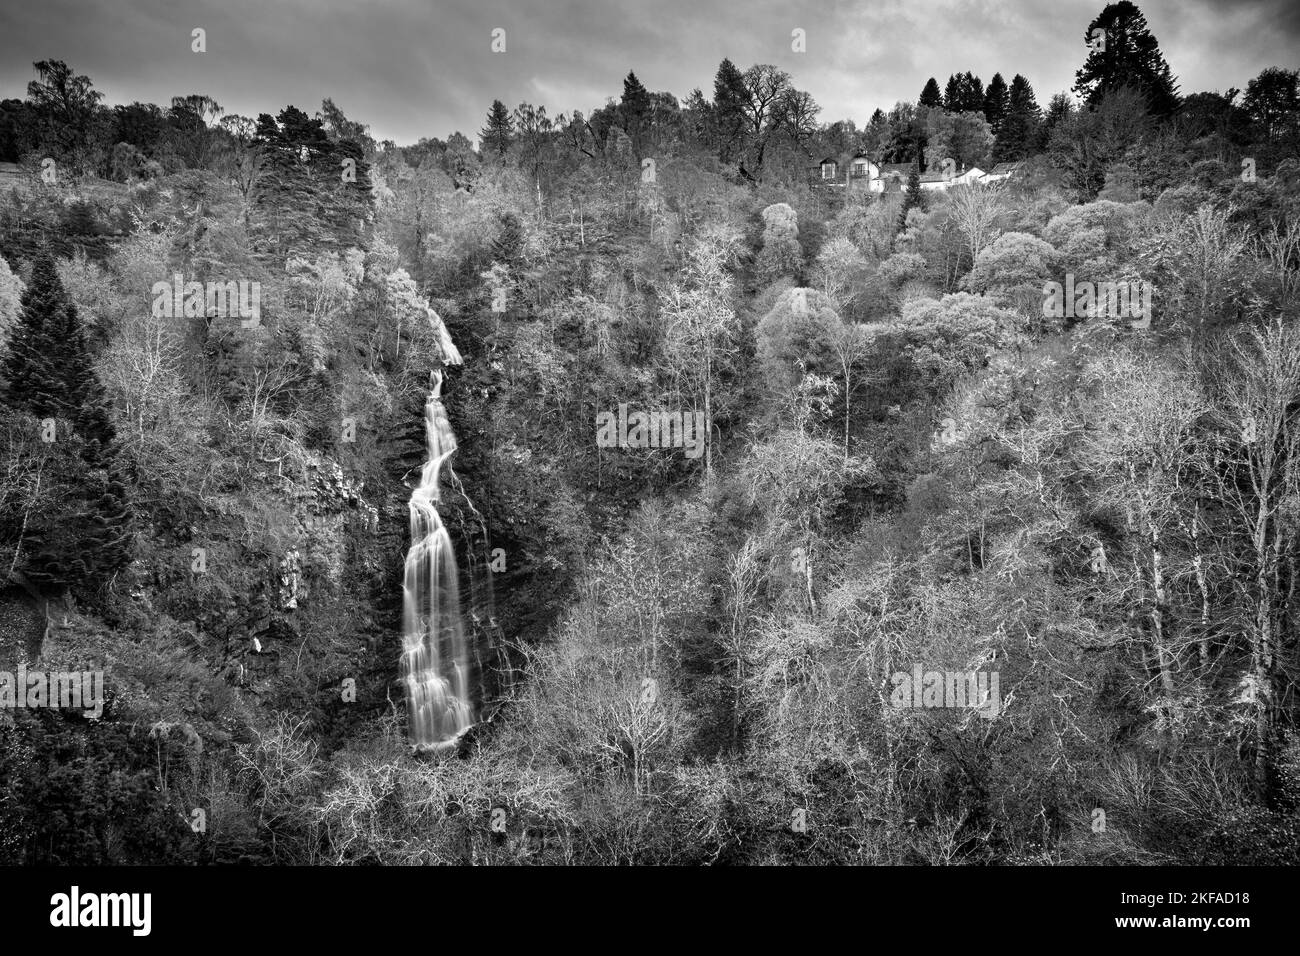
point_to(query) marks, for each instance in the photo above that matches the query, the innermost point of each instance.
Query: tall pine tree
(996, 101)
(912, 198)
(1020, 132)
(47, 372)
(953, 93)
(972, 94)
(1125, 53)
(635, 110)
(494, 138)
(729, 97)
(930, 95)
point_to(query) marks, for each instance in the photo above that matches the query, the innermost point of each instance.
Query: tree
(301, 202)
(65, 104)
(997, 101)
(1273, 101)
(771, 106)
(963, 93)
(729, 99)
(948, 337)
(48, 373)
(930, 95)
(189, 123)
(854, 343)
(1258, 395)
(1129, 56)
(962, 137)
(533, 130)
(494, 138)
(975, 210)
(912, 198)
(1020, 131)
(798, 336)
(953, 93)
(1060, 109)
(1014, 266)
(702, 325)
(1087, 143)
(972, 100)
(339, 128)
(47, 368)
(635, 111)
(781, 254)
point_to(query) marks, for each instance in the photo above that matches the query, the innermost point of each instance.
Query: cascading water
(435, 665)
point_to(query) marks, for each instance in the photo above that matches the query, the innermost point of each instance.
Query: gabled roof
(1005, 169)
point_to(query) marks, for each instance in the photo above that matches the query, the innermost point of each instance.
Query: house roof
(903, 169)
(1005, 169)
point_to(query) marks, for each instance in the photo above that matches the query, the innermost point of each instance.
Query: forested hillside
(921, 449)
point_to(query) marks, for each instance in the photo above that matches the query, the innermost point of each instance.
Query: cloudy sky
(413, 68)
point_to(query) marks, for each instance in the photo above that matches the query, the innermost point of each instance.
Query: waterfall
(435, 664)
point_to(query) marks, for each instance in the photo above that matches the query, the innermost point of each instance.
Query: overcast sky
(413, 68)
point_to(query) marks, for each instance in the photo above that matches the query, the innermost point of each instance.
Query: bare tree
(975, 209)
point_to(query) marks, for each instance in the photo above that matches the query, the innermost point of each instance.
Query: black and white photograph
(720, 435)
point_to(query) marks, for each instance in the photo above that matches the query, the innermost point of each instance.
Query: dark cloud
(413, 68)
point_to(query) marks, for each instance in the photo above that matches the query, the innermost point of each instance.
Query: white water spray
(434, 658)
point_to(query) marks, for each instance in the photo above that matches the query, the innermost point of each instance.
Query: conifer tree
(729, 110)
(972, 94)
(47, 369)
(47, 372)
(1020, 131)
(635, 110)
(952, 93)
(996, 101)
(494, 138)
(912, 198)
(1123, 52)
(930, 95)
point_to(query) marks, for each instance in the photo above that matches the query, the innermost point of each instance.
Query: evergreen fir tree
(509, 240)
(972, 94)
(996, 101)
(912, 198)
(930, 95)
(494, 138)
(1059, 109)
(635, 110)
(47, 371)
(729, 110)
(1130, 56)
(953, 94)
(1020, 132)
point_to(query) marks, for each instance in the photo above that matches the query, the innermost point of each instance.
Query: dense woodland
(908, 461)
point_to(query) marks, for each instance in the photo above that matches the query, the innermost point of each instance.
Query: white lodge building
(861, 173)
